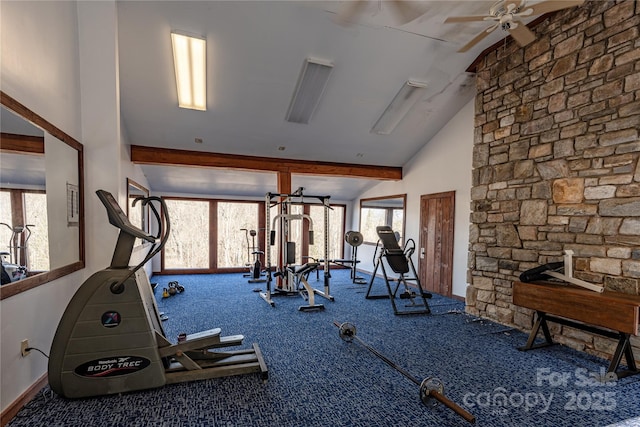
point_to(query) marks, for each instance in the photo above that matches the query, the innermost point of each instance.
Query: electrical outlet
(24, 345)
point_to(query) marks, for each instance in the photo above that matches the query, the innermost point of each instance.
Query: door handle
(421, 253)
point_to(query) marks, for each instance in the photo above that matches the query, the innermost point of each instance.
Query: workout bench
(609, 314)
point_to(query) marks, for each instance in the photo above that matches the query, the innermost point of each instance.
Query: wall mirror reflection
(387, 210)
(41, 215)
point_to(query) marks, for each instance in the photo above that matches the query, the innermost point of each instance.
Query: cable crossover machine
(399, 260)
(291, 278)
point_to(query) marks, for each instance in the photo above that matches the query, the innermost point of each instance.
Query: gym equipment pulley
(431, 388)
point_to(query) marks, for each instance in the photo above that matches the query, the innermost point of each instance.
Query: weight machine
(292, 279)
(399, 260)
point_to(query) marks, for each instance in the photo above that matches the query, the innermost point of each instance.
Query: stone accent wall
(555, 161)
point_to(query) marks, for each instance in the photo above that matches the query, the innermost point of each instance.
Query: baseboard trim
(18, 404)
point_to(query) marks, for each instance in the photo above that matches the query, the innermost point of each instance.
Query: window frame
(372, 202)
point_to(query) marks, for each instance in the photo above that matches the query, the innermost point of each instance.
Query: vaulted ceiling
(255, 51)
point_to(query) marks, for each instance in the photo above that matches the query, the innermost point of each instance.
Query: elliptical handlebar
(118, 219)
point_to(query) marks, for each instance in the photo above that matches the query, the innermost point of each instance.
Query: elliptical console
(110, 338)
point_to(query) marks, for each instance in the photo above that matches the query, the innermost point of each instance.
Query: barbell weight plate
(347, 331)
(354, 238)
(428, 386)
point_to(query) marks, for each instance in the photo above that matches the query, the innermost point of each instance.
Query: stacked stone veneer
(555, 161)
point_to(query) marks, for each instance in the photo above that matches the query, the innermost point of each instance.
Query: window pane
(336, 232)
(397, 222)
(135, 213)
(6, 218)
(35, 206)
(233, 248)
(188, 244)
(370, 218)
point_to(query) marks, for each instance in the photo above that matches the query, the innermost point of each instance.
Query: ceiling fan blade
(550, 6)
(478, 38)
(349, 11)
(521, 33)
(467, 19)
(512, 5)
(406, 11)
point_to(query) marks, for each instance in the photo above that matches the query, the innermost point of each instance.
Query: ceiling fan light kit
(190, 59)
(309, 89)
(410, 92)
(507, 14)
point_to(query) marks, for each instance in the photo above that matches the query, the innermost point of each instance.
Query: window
(33, 205)
(6, 218)
(381, 211)
(336, 231)
(38, 244)
(209, 236)
(235, 243)
(188, 243)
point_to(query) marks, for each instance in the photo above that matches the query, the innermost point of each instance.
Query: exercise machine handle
(129, 232)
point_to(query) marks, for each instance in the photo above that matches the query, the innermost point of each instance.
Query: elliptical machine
(111, 340)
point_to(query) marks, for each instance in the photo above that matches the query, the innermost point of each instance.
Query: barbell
(431, 388)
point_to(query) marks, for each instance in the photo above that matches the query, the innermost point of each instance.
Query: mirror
(138, 214)
(41, 203)
(388, 210)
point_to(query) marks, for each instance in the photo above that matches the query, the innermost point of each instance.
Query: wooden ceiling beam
(173, 157)
(22, 144)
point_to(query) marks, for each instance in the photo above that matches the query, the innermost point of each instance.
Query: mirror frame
(373, 199)
(145, 208)
(23, 285)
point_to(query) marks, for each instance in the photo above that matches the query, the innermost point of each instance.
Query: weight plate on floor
(347, 331)
(430, 385)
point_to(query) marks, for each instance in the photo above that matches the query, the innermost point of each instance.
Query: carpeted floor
(317, 379)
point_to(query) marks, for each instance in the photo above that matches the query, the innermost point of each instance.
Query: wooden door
(436, 242)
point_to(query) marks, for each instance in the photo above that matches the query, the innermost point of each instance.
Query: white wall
(60, 60)
(63, 236)
(40, 68)
(444, 164)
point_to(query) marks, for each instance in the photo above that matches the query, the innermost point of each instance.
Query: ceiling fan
(506, 14)
(406, 11)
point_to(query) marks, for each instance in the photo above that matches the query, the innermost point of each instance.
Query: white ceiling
(20, 170)
(255, 51)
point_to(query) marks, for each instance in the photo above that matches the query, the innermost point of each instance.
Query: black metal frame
(623, 348)
(392, 255)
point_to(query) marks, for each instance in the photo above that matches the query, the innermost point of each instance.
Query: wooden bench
(610, 314)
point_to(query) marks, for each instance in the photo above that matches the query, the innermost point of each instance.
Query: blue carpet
(317, 379)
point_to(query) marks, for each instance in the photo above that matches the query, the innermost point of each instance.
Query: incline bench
(610, 314)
